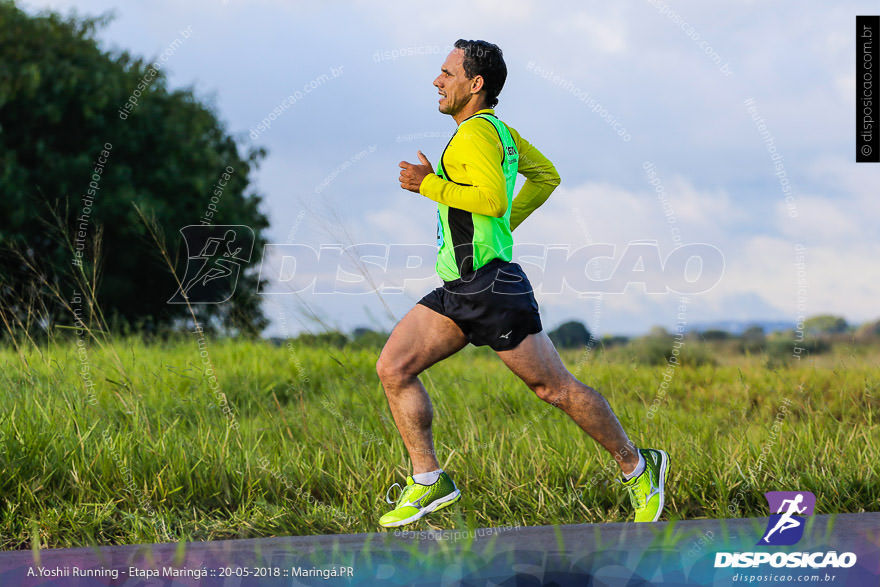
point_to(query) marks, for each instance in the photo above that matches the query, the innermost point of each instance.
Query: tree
(825, 324)
(868, 331)
(715, 334)
(610, 341)
(330, 338)
(368, 337)
(86, 136)
(658, 332)
(572, 334)
(753, 339)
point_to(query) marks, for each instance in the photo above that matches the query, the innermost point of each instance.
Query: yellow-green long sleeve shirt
(472, 162)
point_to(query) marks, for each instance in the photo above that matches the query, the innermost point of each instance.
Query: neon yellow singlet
(467, 240)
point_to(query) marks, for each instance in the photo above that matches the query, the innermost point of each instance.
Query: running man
(486, 299)
(786, 521)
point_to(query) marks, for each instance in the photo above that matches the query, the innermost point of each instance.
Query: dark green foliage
(369, 338)
(60, 101)
(609, 341)
(332, 338)
(572, 334)
(712, 335)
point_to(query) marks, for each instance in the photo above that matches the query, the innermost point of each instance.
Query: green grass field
(146, 449)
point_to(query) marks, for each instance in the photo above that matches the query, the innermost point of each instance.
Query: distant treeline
(659, 346)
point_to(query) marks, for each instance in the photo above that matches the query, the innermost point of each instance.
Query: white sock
(640, 468)
(427, 478)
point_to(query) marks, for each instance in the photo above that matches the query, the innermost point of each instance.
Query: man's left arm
(541, 180)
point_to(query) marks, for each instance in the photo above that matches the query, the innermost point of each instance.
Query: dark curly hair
(487, 60)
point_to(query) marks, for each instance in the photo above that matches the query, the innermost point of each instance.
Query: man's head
(471, 77)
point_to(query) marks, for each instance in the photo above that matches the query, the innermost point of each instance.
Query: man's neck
(469, 111)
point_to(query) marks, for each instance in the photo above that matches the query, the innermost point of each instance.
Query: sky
(706, 150)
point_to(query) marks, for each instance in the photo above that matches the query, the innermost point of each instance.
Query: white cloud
(604, 34)
(821, 220)
(403, 224)
(603, 212)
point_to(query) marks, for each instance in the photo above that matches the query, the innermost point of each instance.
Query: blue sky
(672, 77)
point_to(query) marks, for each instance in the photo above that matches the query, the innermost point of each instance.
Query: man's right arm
(541, 180)
(471, 158)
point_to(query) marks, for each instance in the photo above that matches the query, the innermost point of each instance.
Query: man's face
(454, 87)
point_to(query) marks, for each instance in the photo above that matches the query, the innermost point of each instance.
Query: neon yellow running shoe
(646, 491)
(417, 500)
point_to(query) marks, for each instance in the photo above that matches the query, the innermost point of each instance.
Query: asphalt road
(665, 553)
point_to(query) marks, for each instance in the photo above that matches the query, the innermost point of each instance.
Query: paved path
(667, 553)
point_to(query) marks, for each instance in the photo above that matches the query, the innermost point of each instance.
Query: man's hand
(411, 175)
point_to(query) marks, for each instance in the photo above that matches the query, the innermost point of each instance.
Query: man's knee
(384, 369)
(392, 373)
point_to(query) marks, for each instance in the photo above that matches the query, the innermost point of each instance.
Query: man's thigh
(536, 361)
(423, 337)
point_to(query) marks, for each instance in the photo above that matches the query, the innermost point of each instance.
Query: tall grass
(303, 442)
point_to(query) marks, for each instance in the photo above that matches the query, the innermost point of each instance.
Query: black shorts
(493, 306)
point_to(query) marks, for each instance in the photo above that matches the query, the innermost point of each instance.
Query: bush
(570, 335)
(713, 335)
(781, 352)
(369, 338)
(650, 350)
(658, 350)
(609, 341)
(332, 338)
(868, 332)
(825, 324)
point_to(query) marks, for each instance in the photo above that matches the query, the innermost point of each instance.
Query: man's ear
(476, 84)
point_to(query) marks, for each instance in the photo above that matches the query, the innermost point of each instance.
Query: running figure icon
(216, 256)
(215, 267)
(787, 522)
